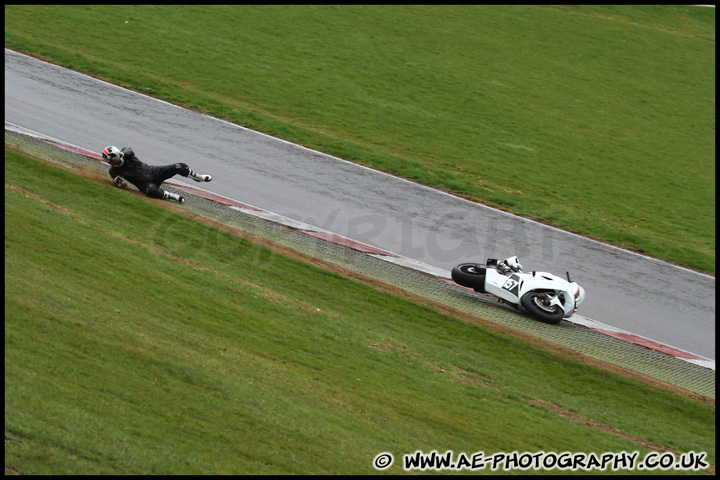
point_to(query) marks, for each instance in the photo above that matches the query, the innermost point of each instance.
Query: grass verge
(140, 341)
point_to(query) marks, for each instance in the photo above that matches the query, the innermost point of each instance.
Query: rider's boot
(173, 196)
(199, 178)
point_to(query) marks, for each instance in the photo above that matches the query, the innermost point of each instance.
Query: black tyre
(534, 302)
(470, 275)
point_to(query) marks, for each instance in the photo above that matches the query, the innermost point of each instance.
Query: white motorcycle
(545, 296)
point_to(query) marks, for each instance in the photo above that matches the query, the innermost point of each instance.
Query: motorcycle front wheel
(536, 303)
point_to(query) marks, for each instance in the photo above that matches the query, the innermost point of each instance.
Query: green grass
(598, 119)
(141, 341)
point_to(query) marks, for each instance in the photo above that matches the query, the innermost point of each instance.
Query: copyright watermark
(383, 461)
(615, 461)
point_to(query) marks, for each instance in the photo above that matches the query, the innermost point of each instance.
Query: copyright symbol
(383, 461)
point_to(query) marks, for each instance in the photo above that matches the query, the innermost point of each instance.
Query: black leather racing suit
(146, 178)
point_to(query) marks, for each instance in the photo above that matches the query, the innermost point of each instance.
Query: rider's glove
(119, 182)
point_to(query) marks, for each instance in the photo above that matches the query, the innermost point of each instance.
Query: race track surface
(650, 298)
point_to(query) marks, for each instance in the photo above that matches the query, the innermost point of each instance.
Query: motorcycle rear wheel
(533, 303)
(470, 275)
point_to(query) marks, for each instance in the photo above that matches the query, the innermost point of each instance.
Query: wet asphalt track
(663, 302)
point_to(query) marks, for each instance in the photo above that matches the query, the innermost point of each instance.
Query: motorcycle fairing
(512, 285)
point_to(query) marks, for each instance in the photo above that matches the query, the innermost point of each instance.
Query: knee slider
(154, 191)
(182, 168)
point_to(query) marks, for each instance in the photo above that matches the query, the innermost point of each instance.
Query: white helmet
(514, 263)
(113, 156)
